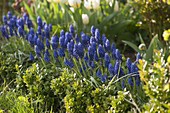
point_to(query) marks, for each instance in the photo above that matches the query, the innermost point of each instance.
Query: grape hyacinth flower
(29, 23)
(121, 73)
(92, 40)
(31, 39)
(35, 39)
(25, 16)
(94, 45)
(91, 51)
(86, 58)
(68, 36)
(62, 33)
(20, 23)
(42, 36)
(37, 51)
(39, 21)
(43, 24)
(31, 31)
(5, 19)
(107, 60)
(123, 84)
(11, 31)
(31, 57)
(71, 29)
(62, 41)
(77, 38)
(107, 46)
(11, 23)
(47, 31)
(92, 64)
(96, 58)
(134, 68)
(46, 51)
(93, 31)
(104, 39)
(101, 51)
(97, 35)
(55, 54)
(54, 42)
(9, 15)
(40, 44)
(116, 68)
(104, 78)
(61, 52)
(128, 64)
(94, 50)
(50, 27)
(68, 63)
(20, 31)
(118, 55)
(113, 51)
(130, 81)
(70, 47)
(47, 43)
(111, 69)
(84, 40)
(39, 30)
(4, 32)
(138, 56)
(46, 57)
(80, 50)
(99, 73)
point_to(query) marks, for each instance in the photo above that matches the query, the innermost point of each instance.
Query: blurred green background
(5, 6)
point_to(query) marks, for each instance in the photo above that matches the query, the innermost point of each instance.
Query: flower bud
(142, 47)
(116, 6)
(74, 3)
(85, 19)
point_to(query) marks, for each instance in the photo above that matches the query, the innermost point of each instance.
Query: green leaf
(141, 39)
(30, 12)
(132, 46)
(152, 46)
(107, 19)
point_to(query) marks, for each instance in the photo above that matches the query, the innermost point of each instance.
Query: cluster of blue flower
(95, 53)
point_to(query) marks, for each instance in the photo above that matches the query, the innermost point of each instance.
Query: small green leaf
(132, 46)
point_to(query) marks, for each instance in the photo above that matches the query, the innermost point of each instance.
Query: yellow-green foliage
(10, 102)
(80, 96)
(7, 68)
(156, 78)
(166, 35)
(34, 82)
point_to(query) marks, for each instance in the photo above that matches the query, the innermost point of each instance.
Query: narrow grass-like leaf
(132, 45)
(152, 46)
